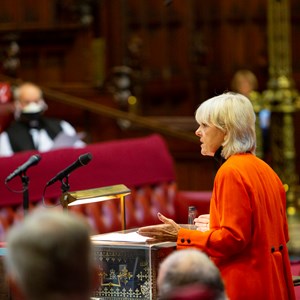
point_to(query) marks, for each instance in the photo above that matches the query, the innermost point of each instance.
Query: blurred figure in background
(245, 82)
(31, 129)
(50, 257)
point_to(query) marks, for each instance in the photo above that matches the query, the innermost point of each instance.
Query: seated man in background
(31, 130)
(50, 257)
(189, 274)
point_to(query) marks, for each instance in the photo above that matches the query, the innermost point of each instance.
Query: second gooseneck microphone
(83, 160)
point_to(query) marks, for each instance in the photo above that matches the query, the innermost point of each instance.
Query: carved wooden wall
(189, 50)
(182, 51)
(54, 43)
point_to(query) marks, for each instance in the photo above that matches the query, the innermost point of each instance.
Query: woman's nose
(198, 131)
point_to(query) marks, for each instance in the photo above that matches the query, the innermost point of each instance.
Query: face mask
(31, 111)
(33, 108)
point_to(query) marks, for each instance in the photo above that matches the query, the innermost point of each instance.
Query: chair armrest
(184, 199)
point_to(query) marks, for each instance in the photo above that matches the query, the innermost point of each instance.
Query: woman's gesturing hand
(167, 231)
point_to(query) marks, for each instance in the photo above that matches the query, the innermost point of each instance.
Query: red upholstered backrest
(142, 164)
(133, 162)
(142, 206)
(184, 199)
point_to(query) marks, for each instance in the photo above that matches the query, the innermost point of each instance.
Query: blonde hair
(233, 114)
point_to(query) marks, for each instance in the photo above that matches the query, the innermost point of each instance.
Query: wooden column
(283, 100)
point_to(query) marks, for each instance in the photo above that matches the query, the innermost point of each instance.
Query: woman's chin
(203, 152)
(206, 153)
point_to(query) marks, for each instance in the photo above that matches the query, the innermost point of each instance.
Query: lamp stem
(123, 215)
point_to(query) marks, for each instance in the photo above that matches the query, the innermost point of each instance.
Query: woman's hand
(167, 231)
(202, 222)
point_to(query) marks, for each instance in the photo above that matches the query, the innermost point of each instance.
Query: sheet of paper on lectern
(63, 140)
(132, 237)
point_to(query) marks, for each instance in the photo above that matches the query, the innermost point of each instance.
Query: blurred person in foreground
(50, 257)
(179, 278)
(31, 130)
(246, 232)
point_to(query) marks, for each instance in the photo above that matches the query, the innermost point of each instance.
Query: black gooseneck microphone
(33, 160)
(83, 160)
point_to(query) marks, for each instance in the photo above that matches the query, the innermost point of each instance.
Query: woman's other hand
(202, 222)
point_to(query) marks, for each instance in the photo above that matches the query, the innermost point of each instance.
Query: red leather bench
(144, 165)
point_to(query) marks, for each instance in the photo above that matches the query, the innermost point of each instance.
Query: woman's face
(211, 138)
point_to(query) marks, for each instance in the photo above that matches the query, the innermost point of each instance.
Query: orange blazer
(248, 231)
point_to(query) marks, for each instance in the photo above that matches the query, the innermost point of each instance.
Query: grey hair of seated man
(189, 267)
(50, 256)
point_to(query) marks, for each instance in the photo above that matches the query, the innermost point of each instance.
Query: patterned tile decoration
(129, 272)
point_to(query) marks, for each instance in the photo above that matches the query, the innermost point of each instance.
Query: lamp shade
(118, 191)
